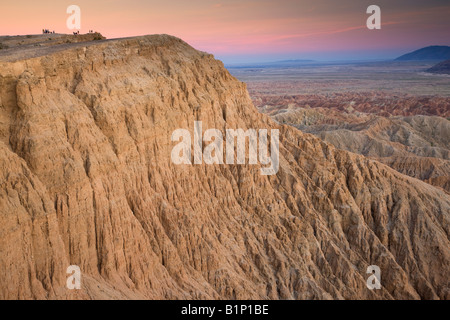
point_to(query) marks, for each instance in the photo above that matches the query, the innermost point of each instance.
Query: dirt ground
(28, 46)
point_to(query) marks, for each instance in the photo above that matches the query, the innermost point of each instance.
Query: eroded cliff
(86, 179)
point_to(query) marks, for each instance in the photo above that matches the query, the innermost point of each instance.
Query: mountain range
(427, 53)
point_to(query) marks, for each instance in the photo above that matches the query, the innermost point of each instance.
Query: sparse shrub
(29, 36)
(97, 36)
(3, 46)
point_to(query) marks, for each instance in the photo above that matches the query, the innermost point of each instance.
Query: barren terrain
(393, 112)
(86, 179)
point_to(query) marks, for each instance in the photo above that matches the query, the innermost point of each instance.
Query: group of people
(78, 32)
(44, 31)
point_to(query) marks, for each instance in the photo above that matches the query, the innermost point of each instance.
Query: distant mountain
(427, 53)
(442, 67)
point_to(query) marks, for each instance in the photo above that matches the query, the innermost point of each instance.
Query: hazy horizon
(251, 31)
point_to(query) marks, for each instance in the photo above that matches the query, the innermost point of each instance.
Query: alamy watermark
(74, 280)
(213, 153)
(374, 281)
(74, 20)
(374, 21)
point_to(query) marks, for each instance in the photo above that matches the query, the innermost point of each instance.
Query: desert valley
(394, 112)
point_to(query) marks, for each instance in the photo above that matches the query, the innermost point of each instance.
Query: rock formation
(86, 179)
(417, 146)
(375, 102)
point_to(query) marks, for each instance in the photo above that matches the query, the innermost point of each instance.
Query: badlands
(86, 179)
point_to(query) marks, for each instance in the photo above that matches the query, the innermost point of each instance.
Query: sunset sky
(250, 31)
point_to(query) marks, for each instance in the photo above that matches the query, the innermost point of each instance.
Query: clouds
(260, 27)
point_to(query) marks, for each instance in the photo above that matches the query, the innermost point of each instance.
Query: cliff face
(87, 180)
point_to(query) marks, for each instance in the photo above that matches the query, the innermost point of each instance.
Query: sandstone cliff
(86, 179)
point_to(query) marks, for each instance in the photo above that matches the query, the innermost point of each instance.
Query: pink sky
(253, 30)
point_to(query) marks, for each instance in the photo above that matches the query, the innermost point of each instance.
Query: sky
(238, 31)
